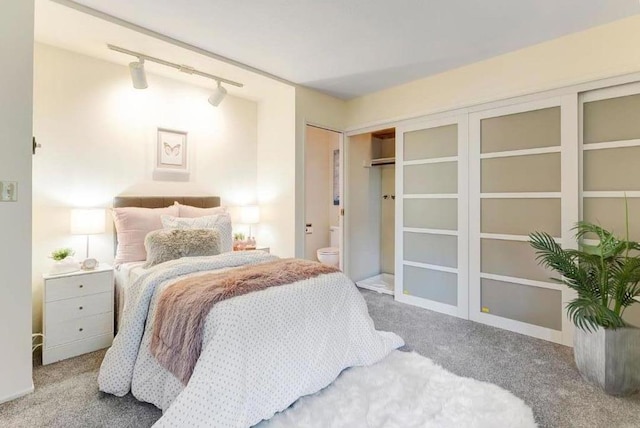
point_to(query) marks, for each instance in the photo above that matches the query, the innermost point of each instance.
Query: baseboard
(17, 394)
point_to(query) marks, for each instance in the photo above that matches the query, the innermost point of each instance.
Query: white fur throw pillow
(220, 222)
(164, 245)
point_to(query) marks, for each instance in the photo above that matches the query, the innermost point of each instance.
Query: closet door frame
(462, 270)
(569, 202)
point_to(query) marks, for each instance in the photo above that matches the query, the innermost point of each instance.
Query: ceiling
(349, 48)
(69, 29)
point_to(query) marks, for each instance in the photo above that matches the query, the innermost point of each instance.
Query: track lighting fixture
(139, 77)
(217, 96)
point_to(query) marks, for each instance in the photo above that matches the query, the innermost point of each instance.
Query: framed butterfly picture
(172, 155)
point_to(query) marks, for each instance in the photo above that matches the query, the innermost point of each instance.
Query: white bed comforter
(260, 353)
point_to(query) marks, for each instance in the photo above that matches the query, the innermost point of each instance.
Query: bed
(259, 352)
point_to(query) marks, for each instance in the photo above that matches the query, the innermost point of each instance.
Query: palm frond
(605, 277)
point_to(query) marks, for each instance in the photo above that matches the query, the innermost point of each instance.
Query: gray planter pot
(610, 359)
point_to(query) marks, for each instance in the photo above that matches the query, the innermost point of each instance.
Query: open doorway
(370, 203)
(323, 195)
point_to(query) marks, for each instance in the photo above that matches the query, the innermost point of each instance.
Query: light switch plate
(308, 229)
(8, 191)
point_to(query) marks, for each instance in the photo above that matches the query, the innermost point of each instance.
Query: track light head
(217, 96)
(138, 75)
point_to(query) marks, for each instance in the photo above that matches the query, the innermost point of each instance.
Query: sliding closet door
(517, 184)
(432, 215)
(611, 163)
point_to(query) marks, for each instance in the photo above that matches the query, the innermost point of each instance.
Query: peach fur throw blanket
(182, 308)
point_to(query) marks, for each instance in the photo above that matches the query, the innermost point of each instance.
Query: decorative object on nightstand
(77, 313)
(250, 215)
(238, 241)
(64, 261)
(88, 222)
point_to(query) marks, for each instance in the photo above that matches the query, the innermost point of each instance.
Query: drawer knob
(80, 329)
(81, 286)
(80, 308)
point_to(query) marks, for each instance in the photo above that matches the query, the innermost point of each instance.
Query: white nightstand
(77, 313)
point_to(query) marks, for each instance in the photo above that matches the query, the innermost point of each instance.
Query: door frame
(341, 137)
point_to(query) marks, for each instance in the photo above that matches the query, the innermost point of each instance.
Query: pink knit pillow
(132, 226)
(193, 212)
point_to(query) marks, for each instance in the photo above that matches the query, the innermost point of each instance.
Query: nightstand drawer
(80, 307)
(78, 285)
(78, 329)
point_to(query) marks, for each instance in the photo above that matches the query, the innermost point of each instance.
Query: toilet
(331, 255)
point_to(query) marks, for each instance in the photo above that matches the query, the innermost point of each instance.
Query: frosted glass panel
(531, 129)
(431, 143)
(431, 178)
(632, 315)
(521, 216)
(612, 169)
(441, 250)
(533, 305)
(431, 213)
(610, 214)
(512, 258)
(612, 120)
(431, 284)
(534, 173)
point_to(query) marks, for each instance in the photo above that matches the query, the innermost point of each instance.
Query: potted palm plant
(606, 279)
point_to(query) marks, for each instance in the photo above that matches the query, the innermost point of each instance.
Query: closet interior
(370, 210)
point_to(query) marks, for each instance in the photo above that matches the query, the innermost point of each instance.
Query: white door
(610, 142)
(432, 215)
(524, 176)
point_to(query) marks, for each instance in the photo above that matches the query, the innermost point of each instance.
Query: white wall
(276, 176)
(319, 208)
(16, 86)
(599, 52)
(98, 138)
(314, 108)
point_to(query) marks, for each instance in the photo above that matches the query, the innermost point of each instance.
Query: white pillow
(219, 222)
(192, 212)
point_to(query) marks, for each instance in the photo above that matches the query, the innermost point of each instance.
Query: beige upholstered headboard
(165, 201)
(161, 202)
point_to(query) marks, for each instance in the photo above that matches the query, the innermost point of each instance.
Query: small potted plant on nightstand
(606, 278)
(238, 241)
(64, 261)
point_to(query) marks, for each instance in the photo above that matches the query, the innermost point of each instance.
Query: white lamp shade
(88, 221)
(249, 214)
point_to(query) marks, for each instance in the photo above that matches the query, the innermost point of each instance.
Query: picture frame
(172, 156)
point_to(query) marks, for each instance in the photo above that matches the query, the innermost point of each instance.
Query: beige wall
(86, 109)
(277, 171)
(16, 86)
(602, 51)
(362, 210)
(319, 208)
(318, 109)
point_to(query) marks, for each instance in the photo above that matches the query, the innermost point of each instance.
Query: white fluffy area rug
(405, 390)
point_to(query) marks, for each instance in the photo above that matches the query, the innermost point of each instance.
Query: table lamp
(88, 222)
(249, 215)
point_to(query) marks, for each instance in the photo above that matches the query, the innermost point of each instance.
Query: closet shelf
(380, 162)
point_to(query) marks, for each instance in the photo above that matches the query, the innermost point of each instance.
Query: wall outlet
(308, 229)
(8, 191)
